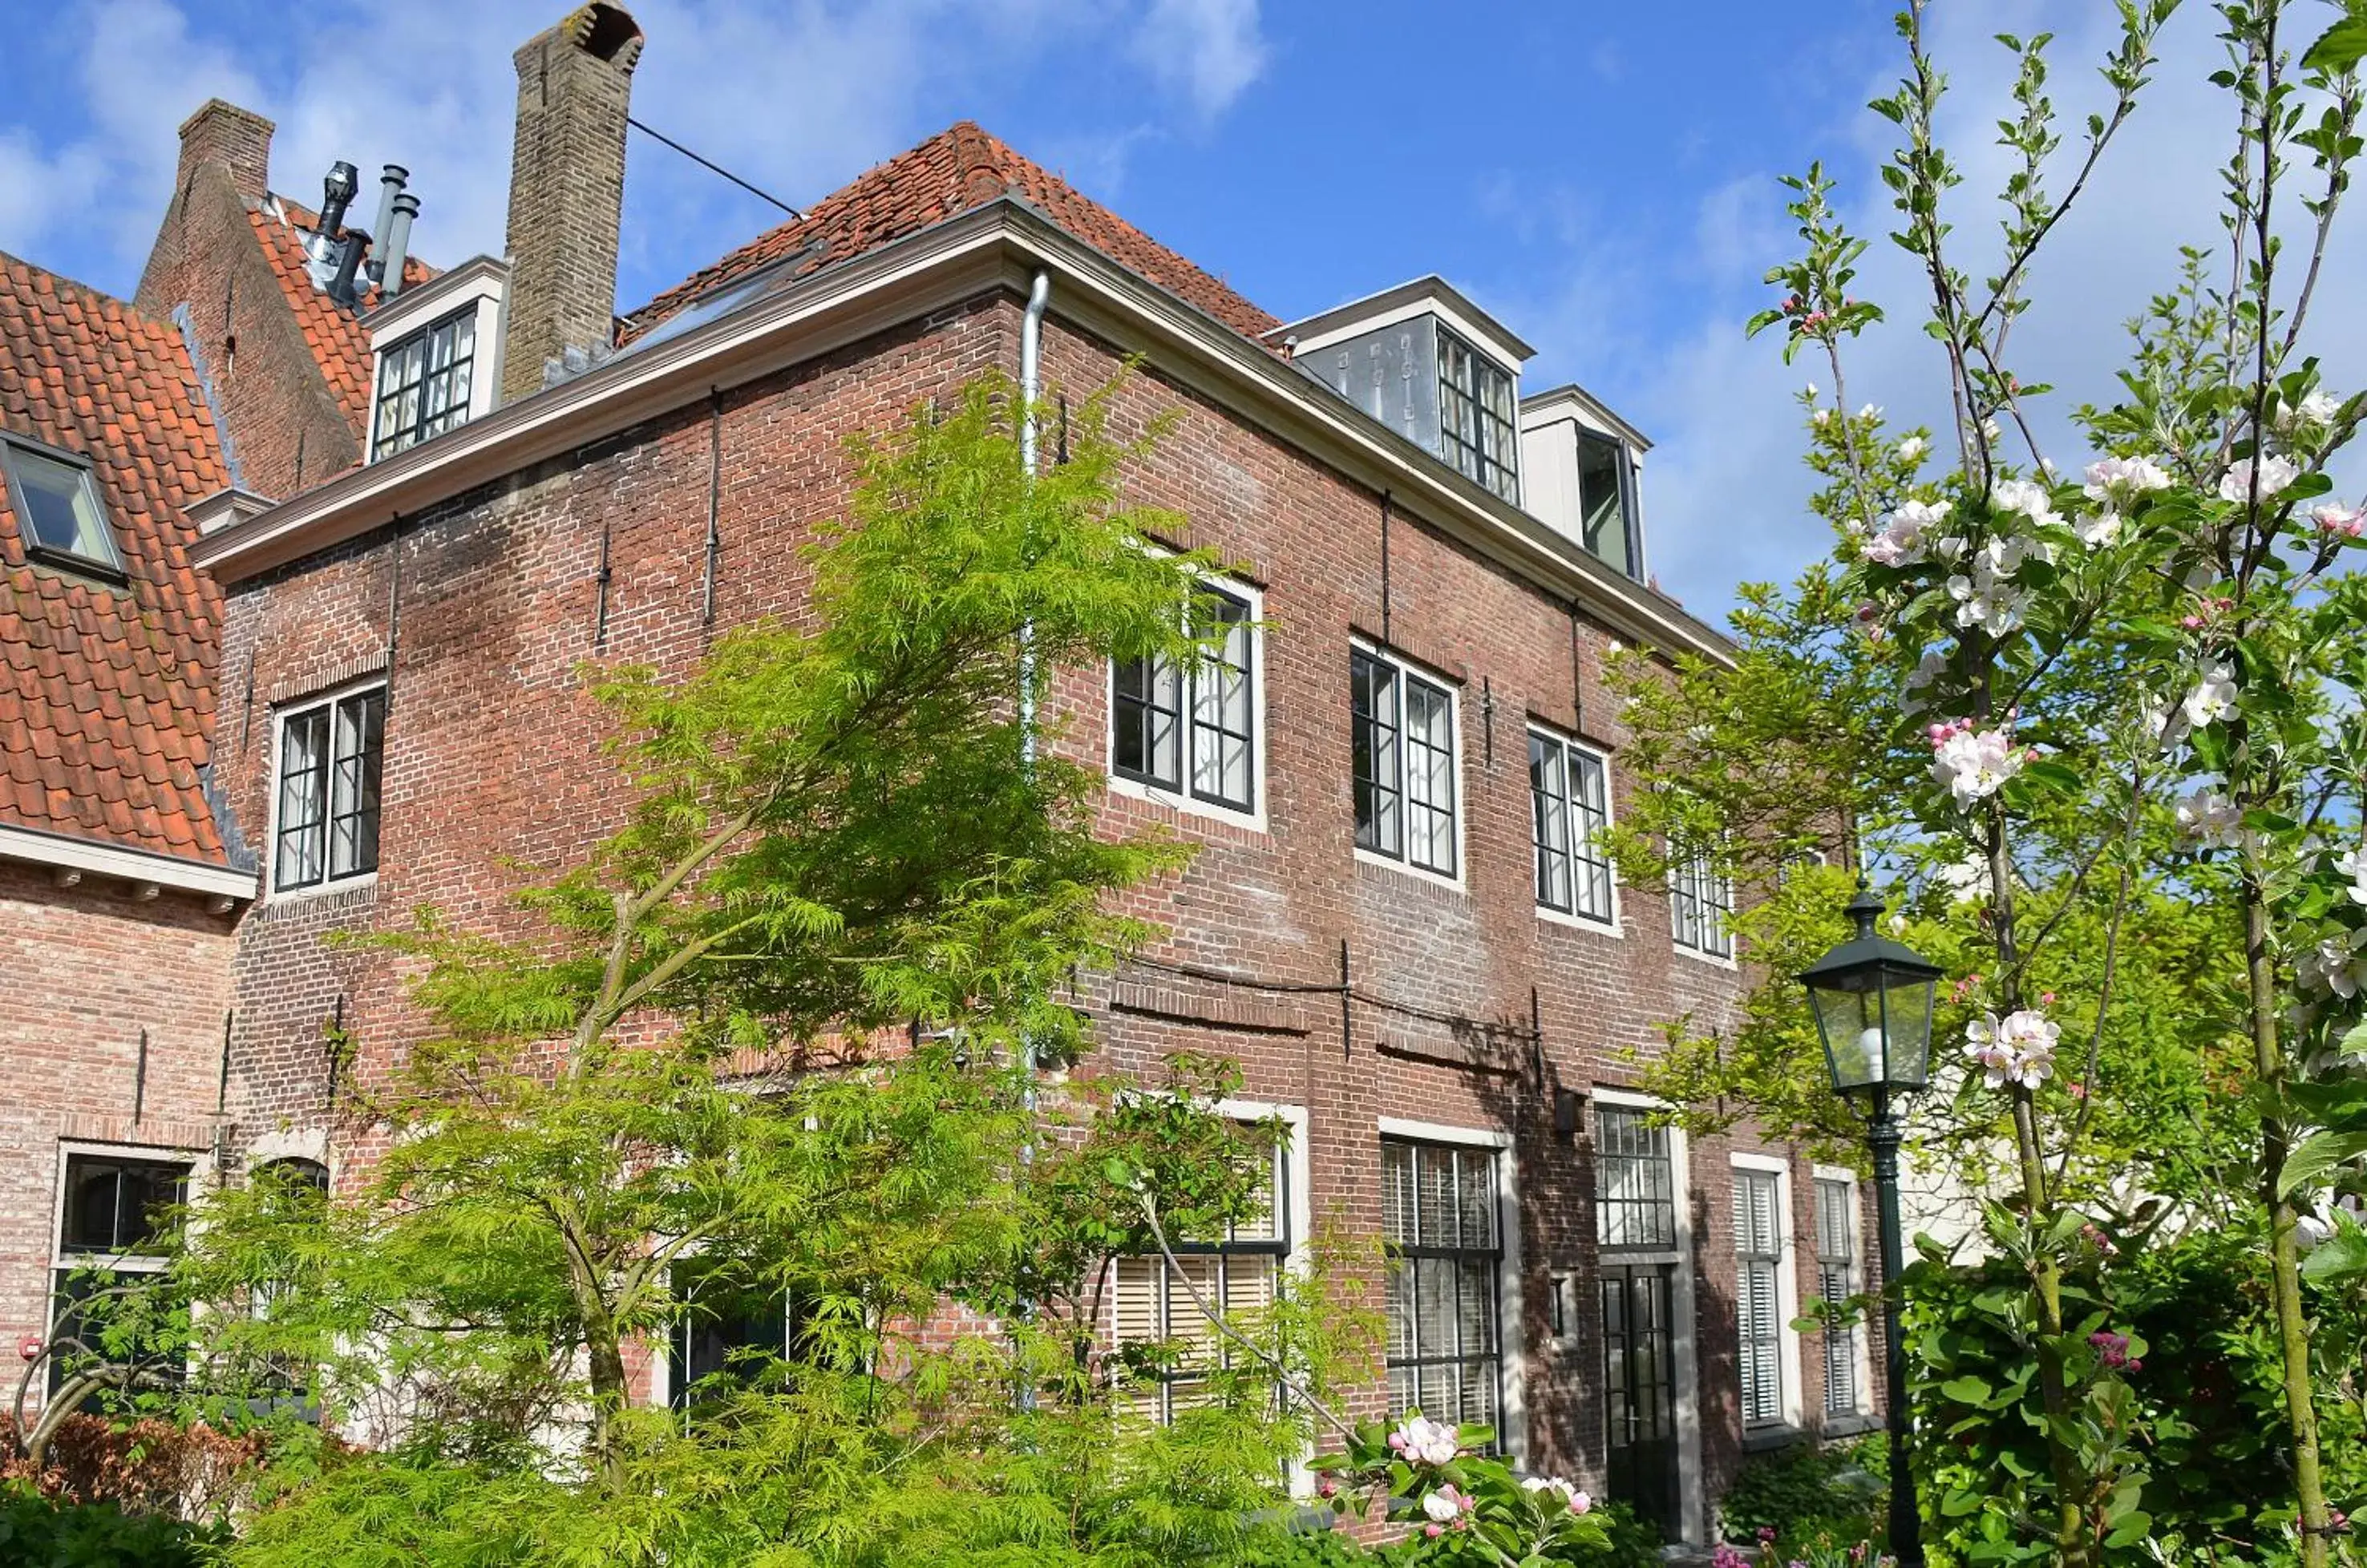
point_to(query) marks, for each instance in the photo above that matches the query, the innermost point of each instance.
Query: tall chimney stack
(567, 192)
(232, 138)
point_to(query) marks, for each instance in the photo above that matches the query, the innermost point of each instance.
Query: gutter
(144, 868)
(1000, 244)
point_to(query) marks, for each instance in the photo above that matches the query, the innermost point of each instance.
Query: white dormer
(1431, 366)
(1583, 464)
(435, 354)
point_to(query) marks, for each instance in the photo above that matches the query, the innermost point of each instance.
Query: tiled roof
(949, 173)
(339, 341)
(106, 694)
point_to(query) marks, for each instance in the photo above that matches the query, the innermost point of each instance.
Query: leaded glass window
(1478, 426)
(1635, 1182)
(1701, 905)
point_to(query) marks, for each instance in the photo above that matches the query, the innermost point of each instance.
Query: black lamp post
(1872, 1002)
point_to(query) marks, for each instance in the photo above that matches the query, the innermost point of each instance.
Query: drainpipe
(1031, 354)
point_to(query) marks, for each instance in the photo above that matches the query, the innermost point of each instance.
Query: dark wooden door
(1640, 1390)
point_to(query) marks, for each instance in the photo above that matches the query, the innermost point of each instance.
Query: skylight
(57, 508)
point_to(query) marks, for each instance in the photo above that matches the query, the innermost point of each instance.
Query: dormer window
(58, 511)
(425, 384)
(1606, 500)
(1477, 423)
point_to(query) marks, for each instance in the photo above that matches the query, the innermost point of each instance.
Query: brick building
(1399, 923)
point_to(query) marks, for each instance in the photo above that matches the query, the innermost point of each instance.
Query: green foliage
(1807, 1491)
(788, 1028)
(1457, 1502)
(44, 1532)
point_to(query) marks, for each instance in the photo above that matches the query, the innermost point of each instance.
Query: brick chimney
(237, 139)
(567, 192)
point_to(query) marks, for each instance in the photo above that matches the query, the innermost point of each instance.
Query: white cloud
(1210, 50)
(796, 96)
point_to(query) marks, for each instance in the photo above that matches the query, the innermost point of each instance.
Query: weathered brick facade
(488, 604)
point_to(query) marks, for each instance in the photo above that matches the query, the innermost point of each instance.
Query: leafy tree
(790, 1025)
(2107, 731)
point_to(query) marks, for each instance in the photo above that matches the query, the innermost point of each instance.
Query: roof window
(58, 510)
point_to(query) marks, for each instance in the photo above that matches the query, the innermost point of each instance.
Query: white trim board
(139, 866)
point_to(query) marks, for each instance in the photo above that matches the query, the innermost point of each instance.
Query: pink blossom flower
(2275, 474)
(1424, 1442)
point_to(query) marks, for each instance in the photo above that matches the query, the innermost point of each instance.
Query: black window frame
(422, 425)
(15, 452)
(1272, 1253)
(345, 801)
(1479, 436)
(1578, 859)
(82, 1264)
(1145, 691)
(1382, 747)
(1837, 1266)
(1407, 1363)
(1761, 1403)
(1631, 529)
(1629, 1143)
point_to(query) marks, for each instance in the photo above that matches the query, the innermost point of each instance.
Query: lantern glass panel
(1907, 1019)
(1850, 1021)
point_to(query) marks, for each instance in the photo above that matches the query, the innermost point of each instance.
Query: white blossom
(2097, 529)
(2333, 517)
(1577, 1502)
(1871, 411)
(1972, 764)
(1914, 446)
(2211, 819)
(1906, 536)
(2027, 497)
(2114, 482)
(2317, 408)
(2352, 863)
(2336, 965)
(1421, 1441)
(2276, 474)
(2213, 698)
(1928, 669)
(1991, 429)
(2017, 1049)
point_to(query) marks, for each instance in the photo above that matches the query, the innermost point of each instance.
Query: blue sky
(1600, 176)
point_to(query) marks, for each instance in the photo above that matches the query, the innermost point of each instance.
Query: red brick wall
(89, 968)
(492, 752)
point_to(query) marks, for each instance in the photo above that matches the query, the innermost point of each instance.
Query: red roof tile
(950, 174)
(339, 341)
(106, 694)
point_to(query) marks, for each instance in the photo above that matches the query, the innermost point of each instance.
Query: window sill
(1854, 1424)
(1551, 916)
(73, 565)
(366, 884)
(1407, 868)
(1187, 805)
(1714, 960)
(1775, 1434)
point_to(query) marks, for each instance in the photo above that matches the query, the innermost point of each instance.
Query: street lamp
(1872, 1001)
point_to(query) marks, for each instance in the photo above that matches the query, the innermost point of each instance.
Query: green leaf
(2317, 1156)
(1966, 1389)
(2339, 48)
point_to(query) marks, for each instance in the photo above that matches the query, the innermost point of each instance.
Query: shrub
(41, 1531)
(1805, 1491)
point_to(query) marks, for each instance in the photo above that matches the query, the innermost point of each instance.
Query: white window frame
(479, 285)
(1606, 925)
(1789, 1394)
(14, 450)
(1512, 1357)
(199, 1164)
(1701, 866)
(293, 708)
(1184, 800)
(1860, 1352)
(1692, 1513)
(1403, 859)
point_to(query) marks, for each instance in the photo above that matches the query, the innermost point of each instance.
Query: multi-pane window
(330, 755)
(1402, 756)
(424, 384)
(1192, 731)
(1634, 1181)
(1240, 1272)
(1836, 1283)
(1606, 501)
(110, 1233)
(1439, 1219)
(1701, 905)
(57, 507)
(1757, 1252)
(1478, 427)
(1570, 799)
(726, 1327)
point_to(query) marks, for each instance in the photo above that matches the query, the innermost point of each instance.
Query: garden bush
(1807, 1491)
(47, 1532)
